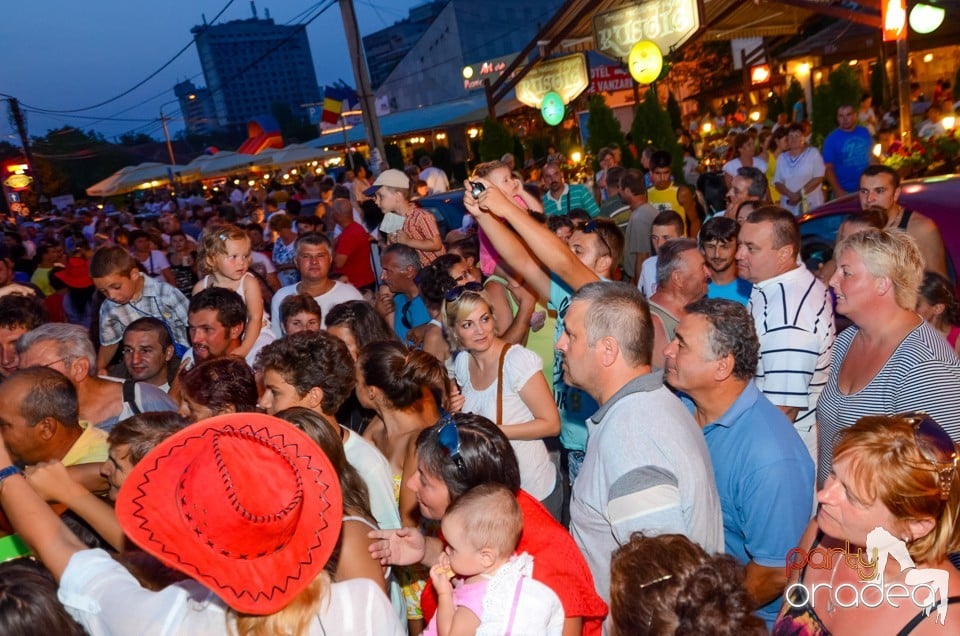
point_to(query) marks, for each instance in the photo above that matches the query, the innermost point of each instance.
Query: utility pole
(25, 141)
(166, 135)
(361, 75)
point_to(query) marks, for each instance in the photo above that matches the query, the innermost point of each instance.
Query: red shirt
(354, 242)
(557, 563)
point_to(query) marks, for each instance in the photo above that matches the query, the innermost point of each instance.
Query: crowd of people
(237, 417)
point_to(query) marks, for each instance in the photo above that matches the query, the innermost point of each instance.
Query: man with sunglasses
(400, 266)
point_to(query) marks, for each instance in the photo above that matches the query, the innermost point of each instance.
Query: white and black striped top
(793, 313)
(923, 374)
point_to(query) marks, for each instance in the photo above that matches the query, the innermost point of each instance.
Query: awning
(461, 111)
(144, 175)
(722, 20)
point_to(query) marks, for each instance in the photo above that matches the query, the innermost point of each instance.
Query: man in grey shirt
(647, 467)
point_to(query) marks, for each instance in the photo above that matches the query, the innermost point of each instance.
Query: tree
(842, 87)
(68, 160)
(292, 127)
(879, 84)
(496, 142)
(673, 109)
(774, 107)
(603, 126)
(794, 94)
(651, 126)
(128, 139)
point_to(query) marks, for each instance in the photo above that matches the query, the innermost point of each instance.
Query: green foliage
(293, 128)
(673, 109)
(603, 126)
(794, 95)
(774, 107)
(69, 160)
(9, 151)
(651, 126)
(496, 142)
(441, 159)
(842, 87)
(518, 152)
(135, 140)
(879, 84)
(394, 156)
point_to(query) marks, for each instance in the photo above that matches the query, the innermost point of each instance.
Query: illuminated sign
(552, 108)
(17, 168)
(18, 181)
(666, 23)
(567, 76)
(894, 18)
(607, 79)
(759, 74)
(474, 74)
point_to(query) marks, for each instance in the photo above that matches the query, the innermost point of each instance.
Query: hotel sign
(567, 75)
(667, 23)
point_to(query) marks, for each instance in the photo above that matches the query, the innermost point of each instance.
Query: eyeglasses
(455, 293)
(449, 439)
(937, 447)
(593, 227)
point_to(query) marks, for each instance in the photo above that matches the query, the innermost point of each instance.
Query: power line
(138, 84)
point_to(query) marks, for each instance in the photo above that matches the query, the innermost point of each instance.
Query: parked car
(935, 197)
(446, 207)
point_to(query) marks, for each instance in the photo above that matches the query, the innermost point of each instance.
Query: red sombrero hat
(244, 503)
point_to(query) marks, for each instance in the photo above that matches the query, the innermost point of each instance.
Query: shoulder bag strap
(503, 356)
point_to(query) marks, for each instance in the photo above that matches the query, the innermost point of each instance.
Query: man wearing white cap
(419, 229)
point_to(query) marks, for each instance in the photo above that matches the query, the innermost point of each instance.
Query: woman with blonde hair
(890, 360)
(893, 495)
(505, 384)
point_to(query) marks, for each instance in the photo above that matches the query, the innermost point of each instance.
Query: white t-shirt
(376, 473)
(537, 473)
(648, 277)
(99, 593)
(730, 168)
(795, 172)
(155, 264)
(339, 293)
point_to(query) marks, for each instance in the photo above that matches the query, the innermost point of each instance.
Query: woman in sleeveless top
(938, 306)
(886, 523)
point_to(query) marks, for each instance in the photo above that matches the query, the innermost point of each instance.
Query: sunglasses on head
(457, 292)
(937, 447)
(449, 439)
(592, 227)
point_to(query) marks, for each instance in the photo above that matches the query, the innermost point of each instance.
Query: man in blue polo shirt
(764, 474)
(404, 308)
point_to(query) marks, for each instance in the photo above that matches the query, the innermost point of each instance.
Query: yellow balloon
(645, 62)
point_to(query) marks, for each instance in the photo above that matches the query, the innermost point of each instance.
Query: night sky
(64, 54)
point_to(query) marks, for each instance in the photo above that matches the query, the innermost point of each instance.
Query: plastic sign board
(666, 23)
(567, 76)
(552, 108)
(894, 18)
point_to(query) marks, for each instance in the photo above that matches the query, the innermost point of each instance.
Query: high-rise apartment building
(385, 48)
(196, 108)
(251, 64)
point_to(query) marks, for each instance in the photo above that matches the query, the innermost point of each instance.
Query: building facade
(464, 32)
(250, 65)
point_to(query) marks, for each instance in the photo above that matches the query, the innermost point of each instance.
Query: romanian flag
(331, 110)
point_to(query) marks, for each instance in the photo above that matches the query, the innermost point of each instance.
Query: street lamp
(926, 18)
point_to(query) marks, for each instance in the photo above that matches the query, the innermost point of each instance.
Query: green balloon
(552, 108)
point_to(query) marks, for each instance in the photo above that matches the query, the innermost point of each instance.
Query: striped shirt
(573, 196)
(923, 374)
(793, 314)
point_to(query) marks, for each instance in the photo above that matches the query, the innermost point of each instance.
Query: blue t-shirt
(765, 478)
(738, 290)
(849, 154)
(575, 406)
(408, 314)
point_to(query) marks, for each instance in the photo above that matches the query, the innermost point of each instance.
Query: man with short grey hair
(663, 483)
(749, 184)
(682, 278)
(103, 401)
(763, 471)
